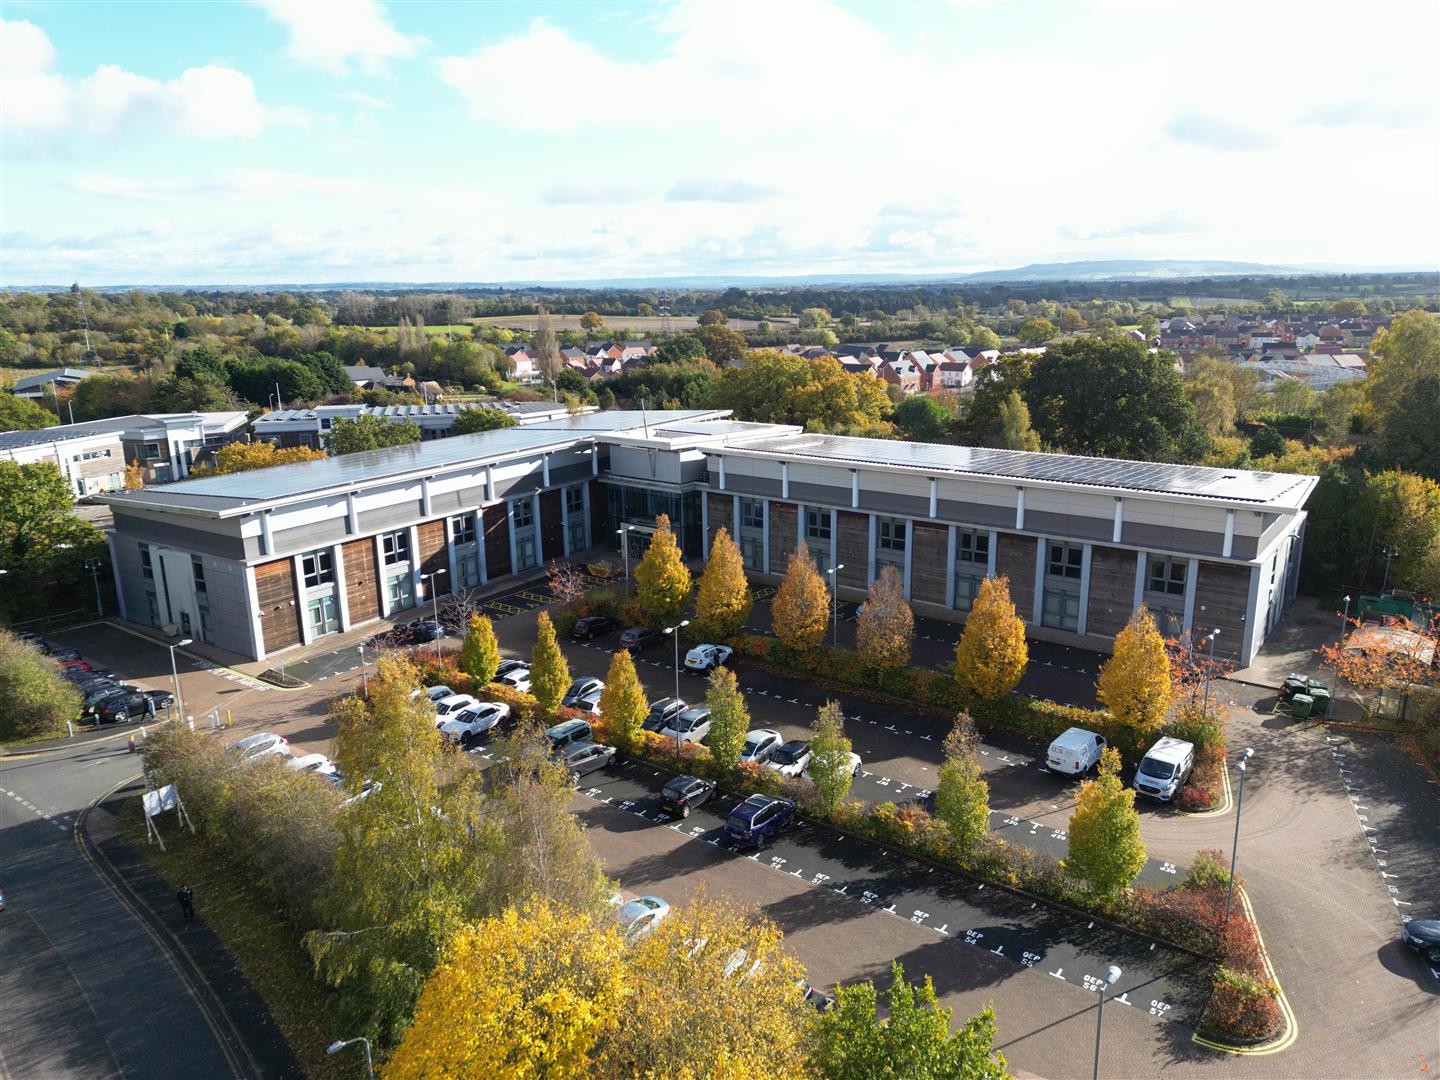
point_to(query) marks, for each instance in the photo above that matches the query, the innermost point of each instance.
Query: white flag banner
(160, 800)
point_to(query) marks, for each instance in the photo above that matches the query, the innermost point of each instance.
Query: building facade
(308, 427)
(261, 562)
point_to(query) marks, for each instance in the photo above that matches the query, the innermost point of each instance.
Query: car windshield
(751, 747)
(787, 754)
(1160, 770)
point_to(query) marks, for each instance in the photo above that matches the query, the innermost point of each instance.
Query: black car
(98, 693)
(1423, 935)
(640, 637)
(662, 712)
(683, 793)
(64, 654)
(757, 820)
(423, 630)
(131, 703)
(591, 627)
(585, 757)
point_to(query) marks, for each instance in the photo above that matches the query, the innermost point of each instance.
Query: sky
(296, 141)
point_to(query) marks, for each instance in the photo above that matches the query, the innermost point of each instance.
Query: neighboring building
(307, 427)
(168, 445)
(1318, 370)
(36, 387)
(92, 461)
(260, 562)
(363, 375)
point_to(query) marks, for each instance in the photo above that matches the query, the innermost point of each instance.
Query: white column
(1254, 628)
(425, 496)
(342, 602)
(480, 541)
(267, 539)
(115, 570)
(800, 523)
(510, 524)
(785, 480)
(934, 496)
(1139, 581)
(1229, 534)
(1084, 590)
(854, 487)
(594, 461)
(416, 585)
(489, 483)
(705, 525)
(1020, 508)
(539, 541)
(1119, 520)
(765, 532)
(1192, 570)
(352, 516)
(909, 552)
(874, 541)
(950, 546)
(992, 554)
(252, 599)
(721, 461)
(306, 633)
(835, 546)
(1039, 579)
(451, 569)
(735, 518)
(545, 470)
(565, 520)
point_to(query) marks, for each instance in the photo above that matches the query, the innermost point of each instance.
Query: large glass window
(522, 513)
(462, 529)
(752, 514)
(1061, 609)
(324, 616)
(147, 568)
(817, 524)
(1169, 621)
(399, 593)
(1166, 575)
(395, 547)
(197, 568)
(972, 547)
(752, 550)
(967, 587)
(575, 533)
(890, 535)
(1066, 559)
(525, 552)
(575, 500)
(318, 567)
(467, 568)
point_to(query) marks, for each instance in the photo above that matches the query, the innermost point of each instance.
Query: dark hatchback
(1423, 935)
(131, 703)
(640, 637)
(662, 712)
(683, 794)
(585, 757)
(758, 819)
(591, 627)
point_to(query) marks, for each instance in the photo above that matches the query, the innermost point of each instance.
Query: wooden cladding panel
(434, 555)
(275, 592)
(927, 563)
(362, 587)
(497, 541)
(783, 536)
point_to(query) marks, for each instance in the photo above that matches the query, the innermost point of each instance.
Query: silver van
(1164, 768)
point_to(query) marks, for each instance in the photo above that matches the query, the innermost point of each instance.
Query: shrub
(1192, 799)
(601, 602)
(37, 701)
(1242, 1007)
(565, 620)
(1208, 869)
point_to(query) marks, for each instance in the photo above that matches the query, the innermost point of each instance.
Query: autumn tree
(1013, 430)
(780, 388)
(545, 348)
(622, 702)
(1072, 321)
(962, 797)
(134, 476)
(1134, 682)
(549, 673)
(369, 432)
(991, 654)
(238, 457)
(662, 580)
(885, 628)
(913, 1041)
(22, 414)
(481, 418)
(480, 652)
(723, 601)
(1105, 845)
(591, 321)
(729, 718)
(800, 611)
(830, 769)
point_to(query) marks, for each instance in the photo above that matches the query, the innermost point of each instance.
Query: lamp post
(340, 1044)
(1209, 670)
(175, 674)
(835, 603)
(364, 675)
(94, 565)
(1345, 618)
(625, 548)
(1235, 845)
(674, 631)
(1389, 554)
(1112, 976)
(435, 599)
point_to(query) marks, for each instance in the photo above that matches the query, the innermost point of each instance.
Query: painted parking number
(868, 897)
(776, 861)
(1167, 868)
(972, 936)
(1029, 959)
(919, 916)
(819, 879)
(1058, 834)
(1159, 1008)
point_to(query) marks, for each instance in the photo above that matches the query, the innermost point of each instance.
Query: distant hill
(1132, 270)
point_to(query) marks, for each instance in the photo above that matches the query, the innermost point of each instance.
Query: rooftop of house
(136, 425)
(59, 374)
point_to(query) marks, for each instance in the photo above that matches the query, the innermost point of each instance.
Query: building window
(468, 567)
(891, 535)
(575, 500)
(150, 451)
(462, 529)
(972, 547)
(522, 513)
(318, 567)
(525, 553)
(817, 524)
(324, 617)
(399, 593)
(575, 533)
(1169, 621)
(147, 568)
(752, 514)
(395, 547)
(1066, 560)
(1061, 610)
(198, 568)
(752, 550)
(967, 587)
(92, 455)
(152, 609)
(1166, 575)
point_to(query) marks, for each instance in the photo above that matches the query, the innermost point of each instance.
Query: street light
(340, 1044)
(364, 675)
(1209, 670)
(625, 547)
(1112, 976)
(1389, 554)
(94, 565)
(674, 631)
(175, 674)
(1345, 618)
(435, 597)
(835, 603)
(1235, 845)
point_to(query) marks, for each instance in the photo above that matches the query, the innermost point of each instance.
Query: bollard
(132, 744)
(69, 727)
(191, 721)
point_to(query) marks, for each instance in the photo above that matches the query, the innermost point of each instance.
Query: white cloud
(42, 107)
(368, 101)
(720, 189)
(1217, 132)
(332, 34)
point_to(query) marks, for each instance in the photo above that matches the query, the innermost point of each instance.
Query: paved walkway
(1291, 647)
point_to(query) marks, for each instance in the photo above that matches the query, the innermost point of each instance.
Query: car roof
(579, 747)
(761, 733)
(795, 744)
(258, 739)
(683, 781)
(1073, 736)
(1167, 748)
(567, 726)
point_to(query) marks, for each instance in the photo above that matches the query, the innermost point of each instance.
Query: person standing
(186, 899)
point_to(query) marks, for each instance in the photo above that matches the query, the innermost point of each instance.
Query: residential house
(50, 383)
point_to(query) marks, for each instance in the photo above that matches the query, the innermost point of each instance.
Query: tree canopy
(469, 421)
(369, 433)
(242, 457)
(818, 394)
(22, 414)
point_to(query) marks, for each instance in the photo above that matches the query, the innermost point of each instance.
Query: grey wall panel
(973, 513)
(304, 537)
(168, 532)
(511, 487)
(570, 474)
(1244, 547)
(1166, 538)
(385, 518)
(449, 502)
(748, 485)
(228, 605)
(888, 502)
(819, 494)
(1068, 525)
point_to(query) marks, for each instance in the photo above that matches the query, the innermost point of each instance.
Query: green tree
(800, 611)
(780, 388)
(662, 580)
(830, 769)
(480, 652)
(711, 317)
(622, 702)
(37, 700)
(369, 433)
(814, 318)
(1401, 356)
(1034, 332)
(913, 1042)
(103, 395)
(991, 654)
(549, 673)
(43, 545)
(1105, 846)
(1013, 430)
(722, 345)
(22, 414)
(258, 379)
(1412, 435)
(545, 348)
(729, 718)
(1266, 442)
(469, 421)
(982, 337)
(723, 601)
(924, 418)
(962, 797)
(679, 349)
(885, 629)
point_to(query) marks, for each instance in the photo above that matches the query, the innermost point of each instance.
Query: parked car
(64, 654)
(445, 707)
(683, 794)
(128, 703)
(517, 678)
(760, 744)
(571, 731)
(1075, 752)
(638, 638)
(76, 672)
(852, 760)
(96, 692)
(692, 725)
(422, 630)
(1164, 768)
(810, 995)
(640, 916)
(434, 693)
(707, 657)
(758, 819)
(585, 757)
(1423, 935)
(662, 712)
(507, 666)
(254, 747)
(35, 641)
(470, 723)
(591, 627)
(318, 764)
(791, 758)
(584, 688)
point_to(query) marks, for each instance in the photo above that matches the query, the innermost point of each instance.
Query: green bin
(1300, 705)
(1321, 698)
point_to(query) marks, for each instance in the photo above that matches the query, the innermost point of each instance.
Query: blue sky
(302, 141)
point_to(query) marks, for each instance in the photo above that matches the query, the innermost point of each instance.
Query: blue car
(758, 819)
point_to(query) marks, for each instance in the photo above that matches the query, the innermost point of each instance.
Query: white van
(1075, 752)
(1164, 768)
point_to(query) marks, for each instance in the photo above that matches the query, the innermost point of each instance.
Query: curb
(209, 666)
(14, 755)
(1215, 811)
(1291, 1029)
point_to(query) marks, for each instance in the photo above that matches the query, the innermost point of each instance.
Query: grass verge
(268, 951)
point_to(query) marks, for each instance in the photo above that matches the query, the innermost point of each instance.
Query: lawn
(268, 951)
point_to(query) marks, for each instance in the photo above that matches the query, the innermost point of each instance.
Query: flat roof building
(264, 561)
(307, 427)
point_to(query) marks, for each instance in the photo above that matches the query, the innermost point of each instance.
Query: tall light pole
(1389, 554)
(625, 547)
(364, 675)
(94, 565)
(340, 1044)
(835, 603)
(435, 599)
(1209, 670)
(175, 674)
(1112, 976)
(1345, 618)
(674, 631)
(1235, 845)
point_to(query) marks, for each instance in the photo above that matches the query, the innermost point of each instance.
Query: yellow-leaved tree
(885, 628)
(622, 702)
(1135, 682)
(242, 457)
(662, 580)
(722, 603)
(549, 673)
(1105, 846)
(801, 609)
(991, 654)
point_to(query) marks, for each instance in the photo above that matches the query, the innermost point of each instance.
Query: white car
(692, 725)
(760, 744)
(434, 693)
(640, 916)
(584, 693)
(517, 678)
(315, 763)
(707, 657)
(254, 747)
(852, 761)
(790, 759)
(446, 708)
(473, 722)
(1075, 752)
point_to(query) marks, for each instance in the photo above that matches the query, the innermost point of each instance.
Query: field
(643, 323)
